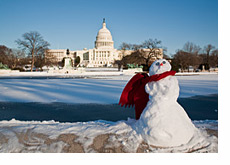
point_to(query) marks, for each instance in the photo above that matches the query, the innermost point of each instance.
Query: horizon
(75, 24)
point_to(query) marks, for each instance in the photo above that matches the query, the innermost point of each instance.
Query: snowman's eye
(164, 62)
(157, 63)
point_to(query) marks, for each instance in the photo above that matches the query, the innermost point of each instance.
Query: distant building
(102, 55)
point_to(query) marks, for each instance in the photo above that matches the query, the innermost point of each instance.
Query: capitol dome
(104, 38)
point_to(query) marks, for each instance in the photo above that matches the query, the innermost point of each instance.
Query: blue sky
(74, 24)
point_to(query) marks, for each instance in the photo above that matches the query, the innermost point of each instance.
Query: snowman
(163, 122)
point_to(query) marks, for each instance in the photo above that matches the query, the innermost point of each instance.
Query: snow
(203, 84)
(164, 122)
(87, 130)
(206, 124)
(99, 89)
(31, 136)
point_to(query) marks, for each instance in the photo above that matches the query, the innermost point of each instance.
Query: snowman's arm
(149, 88)
(171, 85)
(174, 87)
(150, 81)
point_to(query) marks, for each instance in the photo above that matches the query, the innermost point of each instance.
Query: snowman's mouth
(159, 70)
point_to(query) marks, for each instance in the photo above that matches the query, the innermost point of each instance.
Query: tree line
(32, 48)
(12, 58)
(191, 55)
(141, 54)
(195, 56)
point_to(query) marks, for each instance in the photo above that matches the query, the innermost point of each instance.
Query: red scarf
(134, 92)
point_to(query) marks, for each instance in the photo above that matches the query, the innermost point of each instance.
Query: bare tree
(124, 47)
(207, 50)
(213, 59)
(136, 47)
(143, 53)
(191, 48)
(4, 54)
(181, 59)
(16, 57)
(11, 57)
(33, 44)
(153, 49)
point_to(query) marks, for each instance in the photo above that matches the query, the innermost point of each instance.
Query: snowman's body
(164, 122)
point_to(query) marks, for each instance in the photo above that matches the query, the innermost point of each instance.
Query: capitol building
(102, 55)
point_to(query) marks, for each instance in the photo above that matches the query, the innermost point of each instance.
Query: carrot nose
(161, 64)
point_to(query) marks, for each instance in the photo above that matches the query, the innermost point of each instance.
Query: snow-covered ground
(94, 136)
(100, 89)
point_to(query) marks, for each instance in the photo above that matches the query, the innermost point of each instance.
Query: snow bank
(51, 136)
(86, 132)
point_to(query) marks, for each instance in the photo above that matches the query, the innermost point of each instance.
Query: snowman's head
(159, 66)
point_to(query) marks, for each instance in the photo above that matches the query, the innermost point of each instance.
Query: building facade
(102, 55)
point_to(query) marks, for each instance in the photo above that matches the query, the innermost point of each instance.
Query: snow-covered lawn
(103, 90)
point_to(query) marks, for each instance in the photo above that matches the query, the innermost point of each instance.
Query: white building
(103, 54)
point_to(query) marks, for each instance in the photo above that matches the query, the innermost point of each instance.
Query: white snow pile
(34, 136)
